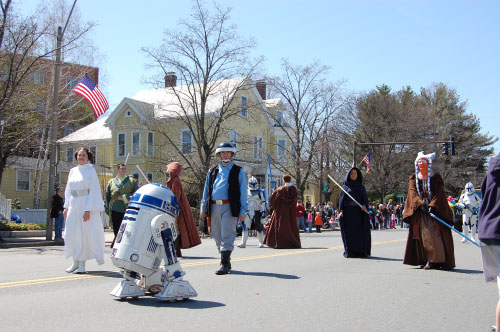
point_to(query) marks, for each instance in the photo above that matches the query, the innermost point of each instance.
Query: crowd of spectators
(382, 216)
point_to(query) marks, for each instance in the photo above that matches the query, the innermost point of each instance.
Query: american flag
(88, 90)
(366, 160)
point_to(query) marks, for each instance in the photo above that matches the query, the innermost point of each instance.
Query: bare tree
(205, 52)
(26, 49)
(19, 54)
(310, 102)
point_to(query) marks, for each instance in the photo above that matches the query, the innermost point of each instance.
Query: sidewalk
(39, 241)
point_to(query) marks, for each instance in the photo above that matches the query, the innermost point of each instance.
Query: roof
(166, 101)
(96, 131)
(272, 102)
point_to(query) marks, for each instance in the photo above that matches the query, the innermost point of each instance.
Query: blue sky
(367, 43)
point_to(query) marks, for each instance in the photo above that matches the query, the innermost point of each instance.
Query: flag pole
(270, 173)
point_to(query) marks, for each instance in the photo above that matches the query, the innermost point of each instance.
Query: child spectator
(310, 220)
(318, 221)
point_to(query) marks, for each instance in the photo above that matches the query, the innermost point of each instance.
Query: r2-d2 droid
(146, 237)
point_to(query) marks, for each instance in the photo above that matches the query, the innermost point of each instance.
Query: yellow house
(139, 127)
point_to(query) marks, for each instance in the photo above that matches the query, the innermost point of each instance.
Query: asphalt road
(309, 289)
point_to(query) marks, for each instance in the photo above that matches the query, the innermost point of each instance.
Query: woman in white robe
(84, 233)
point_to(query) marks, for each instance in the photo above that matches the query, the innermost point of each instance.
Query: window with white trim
(293, 152)
(279, 117)
(128, 114)
(257, 147)
(22, 180)
(186, 141)
(281, 150)
(121, 144)
(70, 154)
(244, 106)
(93, 149)
(71, 82)
(37, 77)
(233, 139)
(150, 177)
(150, 145)
(135, 143)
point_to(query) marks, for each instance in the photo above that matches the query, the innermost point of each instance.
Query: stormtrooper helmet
(469, 188)
(253, 183)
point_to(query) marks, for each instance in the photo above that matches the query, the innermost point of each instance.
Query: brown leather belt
(220, 201)
(116, 197)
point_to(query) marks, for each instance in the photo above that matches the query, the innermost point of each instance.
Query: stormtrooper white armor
(253, 218)
(469, 202)
(145, 239)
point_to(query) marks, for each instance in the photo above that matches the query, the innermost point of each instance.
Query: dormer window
(128, 114)
(244, 106)
(279, 117)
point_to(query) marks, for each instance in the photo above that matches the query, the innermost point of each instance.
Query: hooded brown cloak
(283, 232)
(185, 221)
(415, 253)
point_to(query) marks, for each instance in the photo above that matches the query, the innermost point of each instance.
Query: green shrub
(11, 226)
(15, 204)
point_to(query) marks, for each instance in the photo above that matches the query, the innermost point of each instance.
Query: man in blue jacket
(489, 226)
(224, 201)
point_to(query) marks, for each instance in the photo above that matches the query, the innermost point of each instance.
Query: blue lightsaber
(270, 174)
(452, 228)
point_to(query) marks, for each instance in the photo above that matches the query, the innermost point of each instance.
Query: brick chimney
(261, 87)
(170, 80)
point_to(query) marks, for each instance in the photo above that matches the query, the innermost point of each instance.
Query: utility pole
(53, 137)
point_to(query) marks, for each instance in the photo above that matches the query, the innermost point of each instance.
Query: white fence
(39, 216)
(5, 206)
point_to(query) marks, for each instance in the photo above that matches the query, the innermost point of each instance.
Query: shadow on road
(198, 257)
(307, 248)
(188, 304)
(265, 274)
(384, 258)
(111, 274)
(465, 271)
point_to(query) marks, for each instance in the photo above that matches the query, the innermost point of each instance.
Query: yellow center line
(183, 264)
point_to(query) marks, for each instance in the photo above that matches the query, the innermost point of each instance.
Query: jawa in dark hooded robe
(354, 221)
(430, 243)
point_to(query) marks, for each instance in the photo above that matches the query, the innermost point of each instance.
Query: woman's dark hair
(89, 153)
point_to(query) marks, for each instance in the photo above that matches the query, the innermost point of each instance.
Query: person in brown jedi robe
(188, 236)
(430, 243)
(283, 232)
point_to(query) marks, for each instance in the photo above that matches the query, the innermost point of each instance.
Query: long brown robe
(185, 221)
(428, 239)
(283, 232)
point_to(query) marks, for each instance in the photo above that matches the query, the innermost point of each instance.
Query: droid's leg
(174, 287)
(127, 287)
